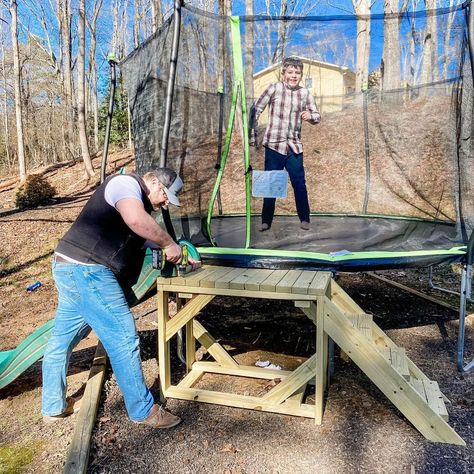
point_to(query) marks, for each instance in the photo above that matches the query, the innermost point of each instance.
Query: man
(290, 103)
(95, 254)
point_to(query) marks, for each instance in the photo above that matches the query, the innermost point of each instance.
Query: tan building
(328, 83)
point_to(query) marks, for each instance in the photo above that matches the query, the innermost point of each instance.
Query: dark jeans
(293, 163)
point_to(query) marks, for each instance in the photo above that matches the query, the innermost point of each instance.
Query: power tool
(188, 250)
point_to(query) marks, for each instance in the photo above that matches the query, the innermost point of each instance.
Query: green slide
(16, 361)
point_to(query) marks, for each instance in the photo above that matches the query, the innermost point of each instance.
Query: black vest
(100, 235)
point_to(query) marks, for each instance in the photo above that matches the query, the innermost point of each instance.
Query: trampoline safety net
(389, 167)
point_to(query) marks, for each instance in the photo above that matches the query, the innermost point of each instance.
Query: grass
(15, 458)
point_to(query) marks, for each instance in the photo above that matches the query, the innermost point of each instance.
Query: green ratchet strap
(239, 86)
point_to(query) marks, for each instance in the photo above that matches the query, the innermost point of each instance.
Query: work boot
(72, 407)
(160, 418)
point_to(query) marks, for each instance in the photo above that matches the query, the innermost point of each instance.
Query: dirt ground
(361, 430)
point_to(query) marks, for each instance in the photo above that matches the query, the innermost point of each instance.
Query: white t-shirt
(121, 187)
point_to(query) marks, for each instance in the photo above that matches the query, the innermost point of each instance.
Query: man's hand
(173, 253)
(306, 116)
(195, 264)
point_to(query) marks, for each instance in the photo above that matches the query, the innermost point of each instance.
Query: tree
(81, 95)
(64, 15)
(429, 69)
(362, 10)
(391, 44)
(18, 102)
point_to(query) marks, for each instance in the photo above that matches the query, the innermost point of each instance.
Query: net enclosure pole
(108, 126)
(466, 282)
(171, 82)
(169, 105)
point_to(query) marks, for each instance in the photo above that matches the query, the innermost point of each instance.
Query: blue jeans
(293, 163)
(90, 297)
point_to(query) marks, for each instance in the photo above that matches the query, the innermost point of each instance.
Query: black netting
(394, 93)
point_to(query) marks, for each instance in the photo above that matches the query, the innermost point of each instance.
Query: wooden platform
(334, 314)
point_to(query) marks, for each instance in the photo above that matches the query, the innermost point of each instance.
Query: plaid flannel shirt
(283, 131)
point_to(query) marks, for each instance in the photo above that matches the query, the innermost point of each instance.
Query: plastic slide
(14, 362)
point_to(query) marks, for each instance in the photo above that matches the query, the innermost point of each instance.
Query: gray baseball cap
(172, 183)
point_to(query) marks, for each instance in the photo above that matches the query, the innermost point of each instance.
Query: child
(290, 103)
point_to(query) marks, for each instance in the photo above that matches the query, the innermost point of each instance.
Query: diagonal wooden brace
(186, 313)
(293, 382)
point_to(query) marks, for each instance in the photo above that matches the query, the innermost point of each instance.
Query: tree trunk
(447, 37)
(81, 96)
(362, 10)
(249, 48)
(391, 47)
(94, 102)
(280, 49)
(65, 24)
(136, 24)
(156, 15)
(5, 106)
(18, 104)
(429, 70)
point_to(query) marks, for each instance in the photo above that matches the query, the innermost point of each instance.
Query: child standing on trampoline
(290, 103)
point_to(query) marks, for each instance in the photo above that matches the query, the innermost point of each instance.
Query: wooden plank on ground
(78, 454)
(272, 280)
(239, 401)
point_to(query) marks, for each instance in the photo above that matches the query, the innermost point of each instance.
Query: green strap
(239, 78)
(225, 153)
(239, 86)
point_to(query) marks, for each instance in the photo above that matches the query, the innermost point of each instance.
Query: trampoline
(389, 169)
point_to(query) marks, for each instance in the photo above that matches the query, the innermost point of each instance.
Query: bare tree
(362, 10)
(429, 70)
(5, 103)
(249, 47)
(64, 14)
(18, 102)
(447, 37)
(391, 45)
(92, 73)
(156, 15)
(81, 95)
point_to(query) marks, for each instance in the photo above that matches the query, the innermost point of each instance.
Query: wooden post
(163, 345)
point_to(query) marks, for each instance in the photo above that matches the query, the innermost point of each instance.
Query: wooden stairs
(387, 365)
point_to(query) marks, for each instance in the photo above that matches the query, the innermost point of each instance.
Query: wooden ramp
(335, 315)
(388, 367)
